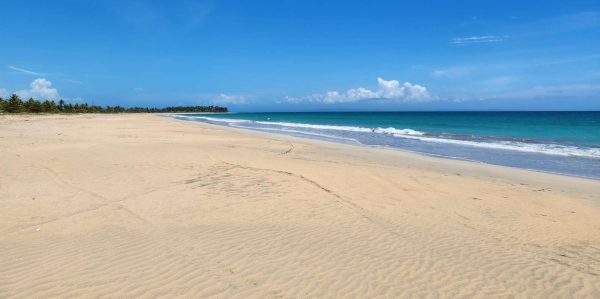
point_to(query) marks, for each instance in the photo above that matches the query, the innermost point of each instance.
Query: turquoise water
(560, 142)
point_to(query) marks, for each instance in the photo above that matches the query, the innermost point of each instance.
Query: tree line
(14, 104)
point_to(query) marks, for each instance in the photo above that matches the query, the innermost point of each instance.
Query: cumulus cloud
(229, 99)
(477, 39)
(3, 92)
(387, 90)
(40, 88)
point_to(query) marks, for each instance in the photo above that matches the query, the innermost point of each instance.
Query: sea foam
(542, 148)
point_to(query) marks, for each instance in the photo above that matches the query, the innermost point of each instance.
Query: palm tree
(61, 105)
(49, 107)
(14, 105)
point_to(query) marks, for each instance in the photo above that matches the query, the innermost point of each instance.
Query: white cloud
(500, 82)
(41, 89)
(3, 92)
(477, 39)
(18, 69)
(453, 72)
(290, 100)
(229, 99)
(387, 90)
(415, 92)
(568, 92)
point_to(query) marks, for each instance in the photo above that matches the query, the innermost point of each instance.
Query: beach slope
(147, 206)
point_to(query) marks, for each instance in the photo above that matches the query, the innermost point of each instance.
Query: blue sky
(305, 55)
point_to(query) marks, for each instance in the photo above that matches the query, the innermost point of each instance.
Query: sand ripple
(188, 211)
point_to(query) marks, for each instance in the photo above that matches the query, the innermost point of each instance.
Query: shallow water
(558, 142)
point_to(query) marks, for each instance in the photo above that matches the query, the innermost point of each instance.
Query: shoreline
(577, 161)
(148, 206)
(392, 149)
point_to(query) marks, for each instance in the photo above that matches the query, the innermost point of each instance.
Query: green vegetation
(14, 104)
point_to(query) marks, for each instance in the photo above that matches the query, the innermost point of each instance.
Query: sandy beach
(146, 206)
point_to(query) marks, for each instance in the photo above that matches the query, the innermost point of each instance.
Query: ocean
(557, 142)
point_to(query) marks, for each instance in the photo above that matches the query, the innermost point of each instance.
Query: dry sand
(148, 206)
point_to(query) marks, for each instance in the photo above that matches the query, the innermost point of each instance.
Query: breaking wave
(489, 143)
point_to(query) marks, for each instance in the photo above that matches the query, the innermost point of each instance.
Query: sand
(149, 206)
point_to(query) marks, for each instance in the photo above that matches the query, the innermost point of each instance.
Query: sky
(305, 55)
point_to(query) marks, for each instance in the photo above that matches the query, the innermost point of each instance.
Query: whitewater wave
(213, 119)
(389, 130)
(542, 148)
(400, 132)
